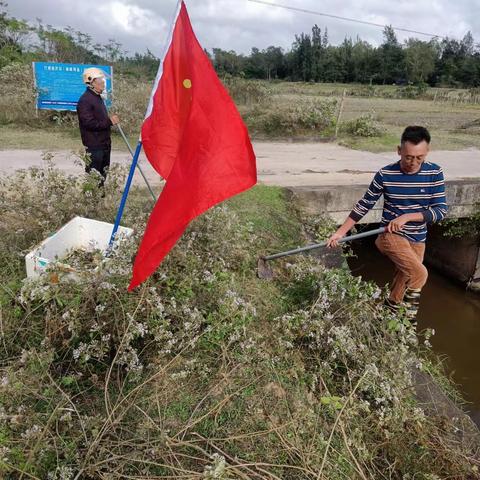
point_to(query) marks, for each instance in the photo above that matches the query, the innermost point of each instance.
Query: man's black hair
(415, 134)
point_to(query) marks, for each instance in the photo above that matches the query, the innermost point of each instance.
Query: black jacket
(93, 120)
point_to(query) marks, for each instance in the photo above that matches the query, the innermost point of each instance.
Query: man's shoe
(412, 302)
(394, 307)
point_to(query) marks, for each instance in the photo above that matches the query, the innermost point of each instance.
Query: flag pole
(139, 144)
(132, 153)
(123, 201)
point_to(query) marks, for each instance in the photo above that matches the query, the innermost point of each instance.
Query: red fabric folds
(195, 138)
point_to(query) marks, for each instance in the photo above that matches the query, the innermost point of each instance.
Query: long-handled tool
(264, 271)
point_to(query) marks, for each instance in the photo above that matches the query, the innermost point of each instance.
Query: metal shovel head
(263, 269)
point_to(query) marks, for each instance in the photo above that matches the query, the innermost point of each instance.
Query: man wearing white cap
(95, 123)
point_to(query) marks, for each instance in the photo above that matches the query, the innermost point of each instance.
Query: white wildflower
(208, 276)
(31, 432)
(217, 469)
(107, 286)
(100, 308)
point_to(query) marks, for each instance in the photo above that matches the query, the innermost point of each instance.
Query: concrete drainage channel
(446, 305)
(458, 259)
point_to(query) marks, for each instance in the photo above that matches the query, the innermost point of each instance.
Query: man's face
(412, 156)
(99, 84)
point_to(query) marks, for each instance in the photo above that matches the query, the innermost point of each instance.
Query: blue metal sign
(60, 85)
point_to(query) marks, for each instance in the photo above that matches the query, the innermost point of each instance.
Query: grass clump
(204, 371)
(17, 102)
(463, 227)
(311, 117)
(246, 92)
(271, 110)
(363, 126)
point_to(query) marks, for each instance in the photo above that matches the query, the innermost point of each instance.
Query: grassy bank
(373, 117)
(205, 371)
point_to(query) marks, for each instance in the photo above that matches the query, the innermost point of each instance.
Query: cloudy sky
(240, 24)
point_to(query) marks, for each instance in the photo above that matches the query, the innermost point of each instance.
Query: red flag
(195, 138)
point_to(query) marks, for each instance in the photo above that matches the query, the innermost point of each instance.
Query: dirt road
(284, 164)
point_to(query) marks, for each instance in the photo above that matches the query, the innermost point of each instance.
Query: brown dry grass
(271, 110)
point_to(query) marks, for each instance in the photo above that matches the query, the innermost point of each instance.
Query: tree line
(446, 62)
(311, 58)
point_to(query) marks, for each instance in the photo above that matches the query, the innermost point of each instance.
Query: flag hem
(135, 282)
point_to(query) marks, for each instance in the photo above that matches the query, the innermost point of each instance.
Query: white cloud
(130, 19)
(240, 24)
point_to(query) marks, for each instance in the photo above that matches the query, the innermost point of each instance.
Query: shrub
(413, 91)
(314, 116)
(363, 126)
(246, 92)
(463, 227)
(17, 102)
(130, 100)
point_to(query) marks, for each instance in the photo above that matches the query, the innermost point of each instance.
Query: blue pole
(123, 201)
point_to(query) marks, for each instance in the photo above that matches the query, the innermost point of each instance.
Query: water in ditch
(445, 307)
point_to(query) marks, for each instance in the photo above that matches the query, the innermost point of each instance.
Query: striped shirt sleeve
(370, 198)
(437, 209)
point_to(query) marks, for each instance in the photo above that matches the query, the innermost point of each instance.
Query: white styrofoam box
(78, 233)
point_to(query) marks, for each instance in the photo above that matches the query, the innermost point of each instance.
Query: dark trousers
(99, 160)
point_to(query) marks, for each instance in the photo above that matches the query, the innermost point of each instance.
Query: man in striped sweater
(414, 195)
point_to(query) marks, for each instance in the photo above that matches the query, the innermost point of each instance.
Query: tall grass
(270, 109)
(205, 371)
